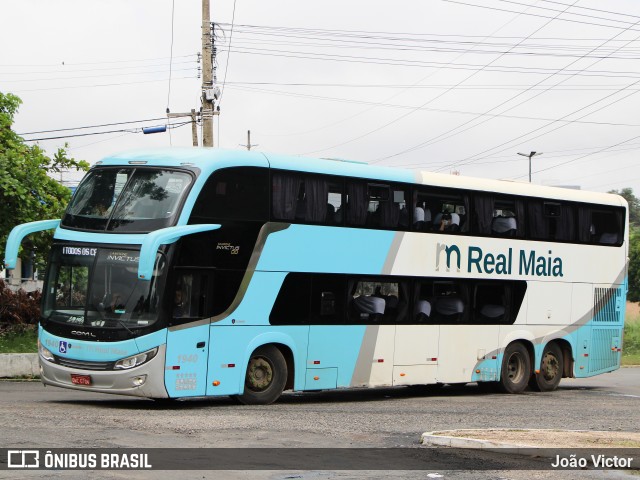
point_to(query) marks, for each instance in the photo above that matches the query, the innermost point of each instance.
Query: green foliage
(634, 268)
(634, 205)
(27, 191)
(631, 340)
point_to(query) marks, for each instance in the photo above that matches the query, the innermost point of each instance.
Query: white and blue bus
(201, 272)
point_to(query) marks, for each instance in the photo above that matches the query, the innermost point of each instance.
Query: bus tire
(265, 378)
(516, 369)
(551, 369)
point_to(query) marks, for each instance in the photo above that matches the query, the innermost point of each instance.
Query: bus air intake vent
(606, 305)
(83, 365)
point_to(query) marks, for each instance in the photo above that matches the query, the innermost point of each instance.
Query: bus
(205, 272)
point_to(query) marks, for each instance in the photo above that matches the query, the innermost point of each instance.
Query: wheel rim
(259, 374)
(550, 366)
(515, 368)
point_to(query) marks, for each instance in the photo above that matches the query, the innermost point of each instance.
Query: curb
(434, 439)
(19, 365)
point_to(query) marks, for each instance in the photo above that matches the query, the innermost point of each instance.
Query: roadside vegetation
(19, 313)
(631, 340)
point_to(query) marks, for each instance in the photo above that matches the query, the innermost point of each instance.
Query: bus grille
(84, 365)
(607, 305)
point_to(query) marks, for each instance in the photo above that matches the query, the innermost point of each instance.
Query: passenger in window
(178, 304)
(331, 214)
(418, 217)
(504, 224)
(403, 223)
(449, 222)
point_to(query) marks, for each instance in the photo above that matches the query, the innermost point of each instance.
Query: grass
(631, 341)
(23, 340)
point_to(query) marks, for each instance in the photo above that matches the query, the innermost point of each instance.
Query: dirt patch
(551, 438)
(633, 309)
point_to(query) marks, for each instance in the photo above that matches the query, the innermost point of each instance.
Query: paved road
(33, 416)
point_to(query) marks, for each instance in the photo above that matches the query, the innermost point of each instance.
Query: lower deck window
(308, 298)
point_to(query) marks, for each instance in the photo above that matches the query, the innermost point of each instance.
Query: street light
(532, 154)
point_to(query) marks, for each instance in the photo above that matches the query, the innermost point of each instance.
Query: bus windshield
(98, 287)
(127, 199)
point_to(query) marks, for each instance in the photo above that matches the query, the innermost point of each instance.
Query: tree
(634, 205)
(27, 191)
(634, 268)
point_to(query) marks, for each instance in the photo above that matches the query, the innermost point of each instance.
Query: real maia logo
(530, 262)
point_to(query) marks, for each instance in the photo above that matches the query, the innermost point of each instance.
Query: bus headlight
(135, 360)
(44, 353)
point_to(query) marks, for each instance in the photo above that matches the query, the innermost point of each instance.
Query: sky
(453, 86)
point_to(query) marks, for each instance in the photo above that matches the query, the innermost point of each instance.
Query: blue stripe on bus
(87, 350)
(305, 248)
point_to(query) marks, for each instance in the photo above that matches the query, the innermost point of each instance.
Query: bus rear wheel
(551, 369)
(265, 378)
(516, 369)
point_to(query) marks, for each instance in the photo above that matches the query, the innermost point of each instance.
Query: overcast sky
(449, 86)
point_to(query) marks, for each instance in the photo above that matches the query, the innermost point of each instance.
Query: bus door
(188, 335)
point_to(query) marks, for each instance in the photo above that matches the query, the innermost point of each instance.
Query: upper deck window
(127, 200)
(236, 193)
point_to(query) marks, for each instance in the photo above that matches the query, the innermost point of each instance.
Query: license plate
(81, 379)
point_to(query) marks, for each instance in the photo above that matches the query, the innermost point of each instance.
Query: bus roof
(210, 159)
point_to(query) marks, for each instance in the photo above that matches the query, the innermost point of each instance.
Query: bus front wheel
(516, 369)
(551, 369)
(265, 378)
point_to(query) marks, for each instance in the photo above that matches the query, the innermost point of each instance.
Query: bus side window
(192, 296)
(600, 225)
(292, 303)
(328, 295)
(450, 302)
(491, 302)
(233, 194)
(378, 302)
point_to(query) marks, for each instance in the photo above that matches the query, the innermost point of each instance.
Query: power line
(99, 85)
(413, 107)
(532, 14)
(436, 97)
(92, 126)
(93, 63)
(452, 132)
(173, 8)
(92, 76)
(226, 67)
(137, 130)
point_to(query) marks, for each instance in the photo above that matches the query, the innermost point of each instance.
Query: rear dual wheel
(516, 369)
(551, 369)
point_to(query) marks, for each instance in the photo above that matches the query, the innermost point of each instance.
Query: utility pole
(249, 145)
(207, 77)
(532, 154)
(194, 125)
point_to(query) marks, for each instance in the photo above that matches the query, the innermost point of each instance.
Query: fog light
(139, 380)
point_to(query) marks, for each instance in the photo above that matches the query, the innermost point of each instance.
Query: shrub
(18, 308)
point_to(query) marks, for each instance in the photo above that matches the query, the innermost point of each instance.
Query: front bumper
(120, 382)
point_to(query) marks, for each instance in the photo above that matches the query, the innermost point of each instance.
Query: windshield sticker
(123, 257)
(81, 251)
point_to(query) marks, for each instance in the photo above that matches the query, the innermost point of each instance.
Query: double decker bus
(201, 272)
